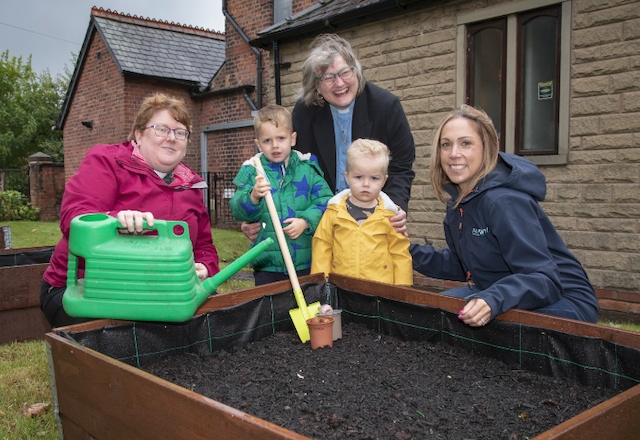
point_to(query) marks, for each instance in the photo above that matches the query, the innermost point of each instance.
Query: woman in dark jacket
(337, 106)
(500, 240)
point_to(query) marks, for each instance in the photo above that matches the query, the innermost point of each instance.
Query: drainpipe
(248, 99)
(276, 71)
(277, 66)
(255, 51)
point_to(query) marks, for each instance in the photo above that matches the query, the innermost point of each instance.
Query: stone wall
(594, 200)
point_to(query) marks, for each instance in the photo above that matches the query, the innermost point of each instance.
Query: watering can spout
(211, 284)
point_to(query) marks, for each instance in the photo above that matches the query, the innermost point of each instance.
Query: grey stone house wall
(594, 200)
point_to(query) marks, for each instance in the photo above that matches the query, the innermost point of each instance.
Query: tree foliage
(29, 108)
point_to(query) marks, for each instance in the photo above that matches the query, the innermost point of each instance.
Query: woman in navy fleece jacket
(500, 240)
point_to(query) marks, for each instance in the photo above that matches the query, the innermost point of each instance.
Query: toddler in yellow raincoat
(355, 237)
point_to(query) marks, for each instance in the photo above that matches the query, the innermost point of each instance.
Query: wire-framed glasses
(329, 79)
(163, 131)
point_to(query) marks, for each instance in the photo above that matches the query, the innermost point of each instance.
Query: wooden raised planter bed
(99, 397)
(20, 276)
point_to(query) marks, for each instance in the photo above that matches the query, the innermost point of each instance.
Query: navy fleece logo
(480, 232)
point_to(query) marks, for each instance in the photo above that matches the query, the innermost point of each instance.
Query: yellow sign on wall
(545, 90)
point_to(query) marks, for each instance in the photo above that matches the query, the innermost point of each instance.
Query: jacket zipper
(469, 281)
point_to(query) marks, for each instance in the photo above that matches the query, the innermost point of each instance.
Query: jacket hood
(295, 157)
(387, 203)
(512, 172)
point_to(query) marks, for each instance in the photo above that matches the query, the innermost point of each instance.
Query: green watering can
(138, 277)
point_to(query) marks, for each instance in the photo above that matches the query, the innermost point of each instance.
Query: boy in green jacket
(299, 192)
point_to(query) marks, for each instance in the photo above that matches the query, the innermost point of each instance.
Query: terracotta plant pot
(320, 331)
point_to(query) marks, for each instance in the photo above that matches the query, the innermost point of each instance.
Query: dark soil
(378, 387)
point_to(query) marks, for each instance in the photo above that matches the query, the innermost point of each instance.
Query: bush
(15, 206)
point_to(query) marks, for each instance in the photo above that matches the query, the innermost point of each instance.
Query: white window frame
(510, 10)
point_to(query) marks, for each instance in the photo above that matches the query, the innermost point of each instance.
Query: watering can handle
(96, 222)
(95, 229)
(165, 228)
(284, 248)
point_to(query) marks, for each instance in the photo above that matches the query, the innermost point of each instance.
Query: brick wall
(228, 149)
(594, 201)
(99, 97)
(46, 186)
(240, 67)
(301, 5)
(112, 101)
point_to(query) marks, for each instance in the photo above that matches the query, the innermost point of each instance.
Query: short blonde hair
(158, 102)
(371, 149)
(491, 146)
(275, 114)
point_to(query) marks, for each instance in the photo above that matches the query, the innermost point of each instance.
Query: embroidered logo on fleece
(479, 232)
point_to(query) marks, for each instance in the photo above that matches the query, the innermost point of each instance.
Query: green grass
(33, 234)
(24, 379)
(230, 244)
(621, 325)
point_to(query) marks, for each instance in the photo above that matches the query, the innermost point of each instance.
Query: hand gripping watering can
(138, 277)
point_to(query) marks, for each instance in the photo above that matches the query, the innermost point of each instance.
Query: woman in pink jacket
(135, 181)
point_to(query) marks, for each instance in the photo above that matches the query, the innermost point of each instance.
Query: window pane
(486, 65)
(538, 129)
(487, 73)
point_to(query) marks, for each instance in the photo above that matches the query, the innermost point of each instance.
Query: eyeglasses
(163, 131)
(328, 79)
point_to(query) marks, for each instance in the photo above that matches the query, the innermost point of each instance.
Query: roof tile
(164, 53)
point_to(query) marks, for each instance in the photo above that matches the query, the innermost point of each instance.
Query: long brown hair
(487, 132)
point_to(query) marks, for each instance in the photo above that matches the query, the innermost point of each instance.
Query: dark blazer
(377, 115)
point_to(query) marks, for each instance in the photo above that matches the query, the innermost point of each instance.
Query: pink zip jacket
(112, 178)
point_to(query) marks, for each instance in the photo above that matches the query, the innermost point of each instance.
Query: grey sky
(51, 30)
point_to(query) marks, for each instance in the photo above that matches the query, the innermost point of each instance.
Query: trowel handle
(284, 247)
